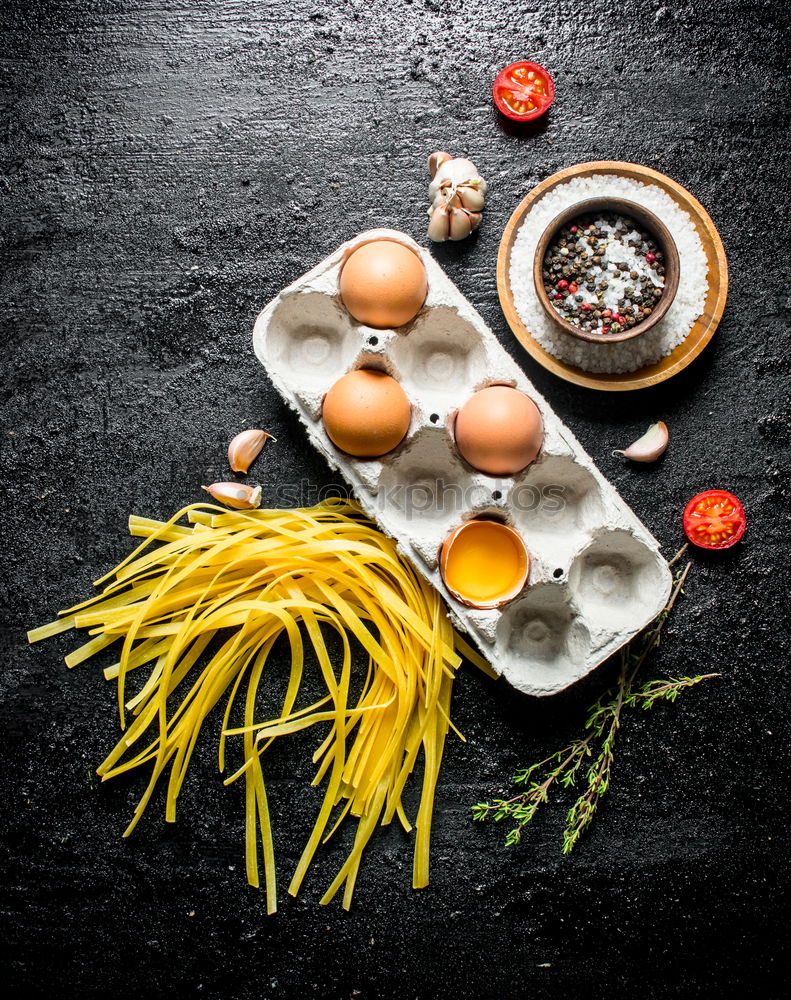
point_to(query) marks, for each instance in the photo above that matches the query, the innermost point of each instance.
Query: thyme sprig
(596, 748)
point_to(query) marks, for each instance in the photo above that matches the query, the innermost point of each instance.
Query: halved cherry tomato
(714, 520)
(523, 91)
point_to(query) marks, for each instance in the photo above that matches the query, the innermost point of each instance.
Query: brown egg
(499, 430)
(366, 413)
(383, 284)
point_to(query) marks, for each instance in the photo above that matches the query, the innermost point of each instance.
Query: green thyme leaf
(601, 726)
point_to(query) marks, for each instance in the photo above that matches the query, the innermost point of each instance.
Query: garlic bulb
(457, 193)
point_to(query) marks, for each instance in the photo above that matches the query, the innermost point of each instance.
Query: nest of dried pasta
(201, 610)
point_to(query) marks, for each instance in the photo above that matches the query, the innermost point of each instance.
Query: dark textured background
(166, 168)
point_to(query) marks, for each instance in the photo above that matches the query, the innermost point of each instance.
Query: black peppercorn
(575, 257)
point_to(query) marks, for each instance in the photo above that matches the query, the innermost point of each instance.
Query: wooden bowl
(704, 327)
(645, 220)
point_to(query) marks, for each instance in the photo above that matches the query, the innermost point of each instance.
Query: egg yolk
(484, 562)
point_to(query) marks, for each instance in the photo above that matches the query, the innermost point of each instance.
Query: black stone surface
(166, 168)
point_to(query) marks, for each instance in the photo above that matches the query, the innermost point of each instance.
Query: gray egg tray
(596, 574)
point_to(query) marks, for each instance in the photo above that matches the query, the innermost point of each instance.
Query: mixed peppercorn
(603, 274)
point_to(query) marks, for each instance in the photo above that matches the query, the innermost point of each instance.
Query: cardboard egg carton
(596, 574)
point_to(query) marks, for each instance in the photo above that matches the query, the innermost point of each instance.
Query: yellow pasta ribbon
(202, 605)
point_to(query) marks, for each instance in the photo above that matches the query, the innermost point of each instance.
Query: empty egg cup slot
(618, 582)
(441, 354)
(555, 498)
(541, 641)
(423, 487)
(310, 342)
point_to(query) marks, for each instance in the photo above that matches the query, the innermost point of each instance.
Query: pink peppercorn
(563, 283)
(585, 306)
(572, 288)
(650, 257)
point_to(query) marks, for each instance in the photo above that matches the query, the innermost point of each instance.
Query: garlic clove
(452, 199)
(440, 201)
(245, 448)
(650, 446)
(436, 160)
(439, 223)
(460, 224)
(239, 496)
(470, 198)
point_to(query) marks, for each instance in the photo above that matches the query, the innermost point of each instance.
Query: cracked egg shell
(383, 284)
(499, 430)
(484, 563)
(366, 413)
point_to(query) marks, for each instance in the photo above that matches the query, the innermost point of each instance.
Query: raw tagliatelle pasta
(201, 612)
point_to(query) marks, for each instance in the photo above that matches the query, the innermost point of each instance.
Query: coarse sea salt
(627, 355)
